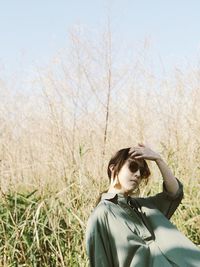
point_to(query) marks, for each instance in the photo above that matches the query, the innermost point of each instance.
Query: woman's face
(128, 178)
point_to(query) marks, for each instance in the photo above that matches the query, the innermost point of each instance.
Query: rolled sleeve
(178, 194)
(166, 202)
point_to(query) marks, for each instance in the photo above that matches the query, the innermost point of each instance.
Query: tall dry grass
(57, 138)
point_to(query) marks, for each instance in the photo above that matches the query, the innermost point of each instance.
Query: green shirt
(125, 231)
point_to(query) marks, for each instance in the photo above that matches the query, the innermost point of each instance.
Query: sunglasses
(134, 167)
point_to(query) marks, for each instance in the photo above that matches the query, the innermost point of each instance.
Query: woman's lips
(134, 181)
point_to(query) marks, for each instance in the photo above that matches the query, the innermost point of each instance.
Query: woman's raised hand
(143, 152)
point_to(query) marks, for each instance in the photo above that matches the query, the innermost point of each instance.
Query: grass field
(57, 138)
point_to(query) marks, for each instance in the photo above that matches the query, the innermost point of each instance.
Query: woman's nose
(137, 173)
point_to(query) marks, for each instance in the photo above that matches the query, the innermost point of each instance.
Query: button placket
(139, 225)
(145, 231)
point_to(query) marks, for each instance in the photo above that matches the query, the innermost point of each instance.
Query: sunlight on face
(129, 181)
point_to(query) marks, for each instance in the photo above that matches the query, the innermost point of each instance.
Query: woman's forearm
(144, 152)
(168, 177)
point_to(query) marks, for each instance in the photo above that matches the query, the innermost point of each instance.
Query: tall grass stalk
(52, 139)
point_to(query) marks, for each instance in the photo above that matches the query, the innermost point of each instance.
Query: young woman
(127, 230)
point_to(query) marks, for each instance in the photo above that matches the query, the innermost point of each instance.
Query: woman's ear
(111, 167)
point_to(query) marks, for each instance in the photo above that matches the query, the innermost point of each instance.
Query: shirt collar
(110, 196)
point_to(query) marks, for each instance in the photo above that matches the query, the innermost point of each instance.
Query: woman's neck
(117, 191)
(121, 191)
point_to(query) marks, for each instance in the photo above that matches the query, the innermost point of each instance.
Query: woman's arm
(144, 152)
(171, 183)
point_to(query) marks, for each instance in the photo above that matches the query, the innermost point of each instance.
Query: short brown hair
(118, 160)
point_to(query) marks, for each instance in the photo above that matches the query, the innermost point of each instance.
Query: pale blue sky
(32, 31)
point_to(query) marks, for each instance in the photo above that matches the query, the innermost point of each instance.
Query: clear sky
(32, 31)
